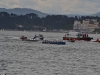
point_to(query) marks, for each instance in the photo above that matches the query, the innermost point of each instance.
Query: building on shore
(86, 25)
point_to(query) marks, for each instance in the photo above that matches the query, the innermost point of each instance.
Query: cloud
(55, 6)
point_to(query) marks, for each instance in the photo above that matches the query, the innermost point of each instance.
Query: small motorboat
(53, 42)
(23, 38)
(35, 38)
(29, 39)
(97, 40)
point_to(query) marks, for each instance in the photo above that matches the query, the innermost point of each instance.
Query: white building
(86, 25)
(77, 25)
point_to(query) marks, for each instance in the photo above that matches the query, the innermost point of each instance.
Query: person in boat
(86, 35)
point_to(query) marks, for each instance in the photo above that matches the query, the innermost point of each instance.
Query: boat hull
(53, 42)
(96, 41)
(32, 40)
(85, 38)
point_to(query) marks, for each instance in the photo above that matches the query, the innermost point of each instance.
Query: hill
(96, 14)
(23, 11)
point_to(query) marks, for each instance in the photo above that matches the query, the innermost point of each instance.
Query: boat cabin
(76, 34)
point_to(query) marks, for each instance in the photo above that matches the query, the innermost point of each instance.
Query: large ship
(77, 36)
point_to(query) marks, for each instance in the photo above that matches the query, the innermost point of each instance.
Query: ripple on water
(34, 58)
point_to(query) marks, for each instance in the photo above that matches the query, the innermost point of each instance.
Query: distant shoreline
(42, 31)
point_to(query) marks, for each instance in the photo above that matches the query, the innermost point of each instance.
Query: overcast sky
(55, 6)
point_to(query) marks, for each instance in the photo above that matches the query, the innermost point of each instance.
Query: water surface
(34, 58)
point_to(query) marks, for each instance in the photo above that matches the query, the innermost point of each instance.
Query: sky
(55, 6)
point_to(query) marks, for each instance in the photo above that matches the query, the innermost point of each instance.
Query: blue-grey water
(34, 58)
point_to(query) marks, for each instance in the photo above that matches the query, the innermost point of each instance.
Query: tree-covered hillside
(33, 22)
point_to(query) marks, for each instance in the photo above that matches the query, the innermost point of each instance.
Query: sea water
(19, 57)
